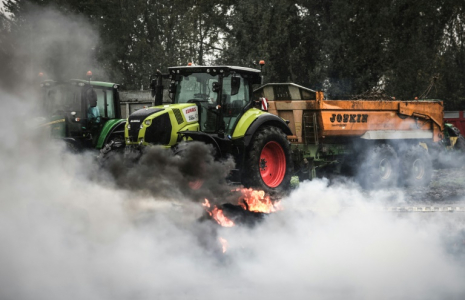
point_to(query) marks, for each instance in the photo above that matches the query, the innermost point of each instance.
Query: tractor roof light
(189, 64)
(89, 74)
(262, 63)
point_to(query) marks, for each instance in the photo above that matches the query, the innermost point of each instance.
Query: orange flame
(224, 244)
(251, 200)
(219, 217)
(206, 203)
(217, 214)
(257, 201)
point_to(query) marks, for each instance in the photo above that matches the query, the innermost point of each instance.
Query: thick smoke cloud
(44, 40)
(173, 174)
(67, 232)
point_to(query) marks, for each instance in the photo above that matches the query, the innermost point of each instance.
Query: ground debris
(448, 185)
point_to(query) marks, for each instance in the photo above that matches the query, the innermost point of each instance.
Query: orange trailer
(391, 136)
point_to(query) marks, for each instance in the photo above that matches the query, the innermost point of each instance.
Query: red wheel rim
(272, 164)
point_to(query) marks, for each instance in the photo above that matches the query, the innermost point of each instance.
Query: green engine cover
(161, 124)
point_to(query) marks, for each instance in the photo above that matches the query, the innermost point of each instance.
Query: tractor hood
(159, 125)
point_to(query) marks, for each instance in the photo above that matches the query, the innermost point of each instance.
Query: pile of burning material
(252, 206)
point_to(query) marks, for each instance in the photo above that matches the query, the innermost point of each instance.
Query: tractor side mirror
(216, 87)
(235, 85)
(153, 87)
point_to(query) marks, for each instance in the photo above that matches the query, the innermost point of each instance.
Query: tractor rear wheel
(417, 166)
(268, 161)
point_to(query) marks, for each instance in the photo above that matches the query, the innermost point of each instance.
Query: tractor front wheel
(268, 161)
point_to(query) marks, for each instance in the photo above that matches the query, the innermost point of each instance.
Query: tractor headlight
(129, 126)
(148, 122)
(128, 140)
(141, 126)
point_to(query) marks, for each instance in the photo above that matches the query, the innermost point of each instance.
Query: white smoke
(66, 236)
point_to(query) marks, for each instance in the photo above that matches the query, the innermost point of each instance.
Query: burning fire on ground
(224, 244)
(217, 215)
(250, 200)
(255, 201)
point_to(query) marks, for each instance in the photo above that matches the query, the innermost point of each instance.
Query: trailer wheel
(380, 169)
(268, 161)
(417, 166)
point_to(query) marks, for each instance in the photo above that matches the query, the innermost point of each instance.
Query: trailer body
(328, 135)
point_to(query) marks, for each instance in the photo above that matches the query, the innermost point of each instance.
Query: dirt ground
(447, 186)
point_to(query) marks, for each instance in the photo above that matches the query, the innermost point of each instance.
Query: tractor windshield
(196, 87)
(62, 98)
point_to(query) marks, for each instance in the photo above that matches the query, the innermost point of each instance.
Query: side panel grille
(178, 115)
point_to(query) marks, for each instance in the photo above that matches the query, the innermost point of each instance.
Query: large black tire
(380, 168)
(268, 163)
(417, 166)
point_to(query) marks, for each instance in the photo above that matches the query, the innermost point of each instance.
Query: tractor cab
(78, 110)
(222, 94)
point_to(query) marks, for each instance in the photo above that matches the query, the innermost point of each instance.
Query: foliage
(405, 48)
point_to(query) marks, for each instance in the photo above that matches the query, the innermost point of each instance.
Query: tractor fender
(265, 120)
(109, 128)
(203, 137)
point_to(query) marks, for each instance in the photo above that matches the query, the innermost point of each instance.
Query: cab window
(105, 97)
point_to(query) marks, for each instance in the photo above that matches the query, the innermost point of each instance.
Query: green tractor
(84, 114)
(214, 105)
